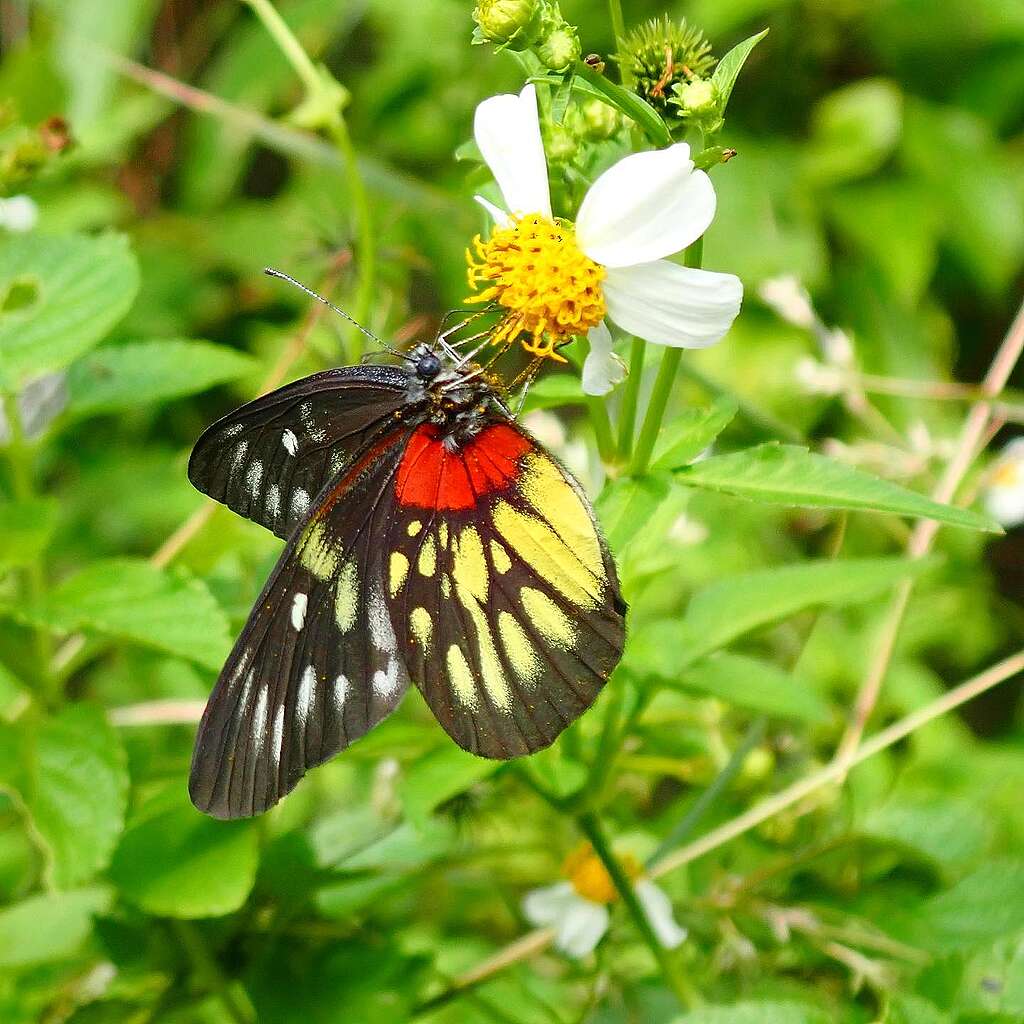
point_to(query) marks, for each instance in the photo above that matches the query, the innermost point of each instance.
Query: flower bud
(513, 24)
(696, 101)
(560, 47)
(600, 121)
(561, 144)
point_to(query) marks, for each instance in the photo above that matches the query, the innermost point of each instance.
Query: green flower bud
(512, 24)
(561, 144)
(696, 101)
(600, 121)
(560, 47)
(662, 54)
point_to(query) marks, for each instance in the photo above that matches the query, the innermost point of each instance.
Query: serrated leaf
(686, 436)
(728, 608)
(729, 67)
(59, 297)
(148, 373)
(70, 775)
(175, 862)
(48, 927)
(26, 528)
(782, 474)
(136, 601)
(626, 504)
(437, 777)
(755, 685)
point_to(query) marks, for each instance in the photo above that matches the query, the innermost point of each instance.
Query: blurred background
(880, 163)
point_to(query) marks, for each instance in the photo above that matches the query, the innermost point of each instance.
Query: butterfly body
(429, 539)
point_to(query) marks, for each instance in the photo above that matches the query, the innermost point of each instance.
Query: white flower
(577, 910)
(557, 280)
(19, 213)
(1004, 494)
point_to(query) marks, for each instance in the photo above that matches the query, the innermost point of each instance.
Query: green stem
(619, 30)
(663, 383)
(316, 80)
(590, 826)
(19, 455)
(208, 971)
(602, 430)
(631, 398)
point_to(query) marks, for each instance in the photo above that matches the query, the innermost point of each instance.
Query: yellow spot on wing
(346, 599)
(446, 585)
(317, 553)
(469, 566)
(460, 677)
(442, 533)
(427, 563)
(521, 653)
(550, 621)
(414, 527)
(422, 626)
(397, 570)
(536, 543)
(499, 556)
(547, 490)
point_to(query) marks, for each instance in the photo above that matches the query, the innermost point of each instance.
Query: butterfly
(430, 538)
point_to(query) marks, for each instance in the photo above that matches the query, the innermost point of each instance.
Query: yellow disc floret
(549, 289)
(590, 878)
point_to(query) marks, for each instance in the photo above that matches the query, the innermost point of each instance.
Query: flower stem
(602, 430)
(663, 383)
(631, 397)
(619, 30)
(590, 826)
(287, 43)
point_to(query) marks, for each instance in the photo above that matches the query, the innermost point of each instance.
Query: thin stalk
(19, 455)
(205, 966)
(619, 30)
(602, 430)
(590, 826)
(631, 398)
(663, 384)
(293, 50)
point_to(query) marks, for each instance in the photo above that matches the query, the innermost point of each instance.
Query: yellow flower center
(549, 289)
(590, 878)
(1006, 474)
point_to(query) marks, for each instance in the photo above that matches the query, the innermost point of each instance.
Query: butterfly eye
(428, 366)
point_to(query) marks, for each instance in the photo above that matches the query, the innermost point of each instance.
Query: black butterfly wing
(268, 459)
(501, 588)
(318, 662)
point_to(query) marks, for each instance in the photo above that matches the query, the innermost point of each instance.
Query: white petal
(658, 909)
(646, 206)
(498, 215)
(673, 305)
(602, 369)
(550, 904)
(582, 928)
(507, 131)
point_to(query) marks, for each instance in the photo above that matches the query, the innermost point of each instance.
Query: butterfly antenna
(271, 272)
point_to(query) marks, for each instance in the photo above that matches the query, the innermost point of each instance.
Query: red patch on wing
(433, 477)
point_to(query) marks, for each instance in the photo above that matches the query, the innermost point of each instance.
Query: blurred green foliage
(880, 161)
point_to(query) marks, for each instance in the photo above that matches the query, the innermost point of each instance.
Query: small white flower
(558, 280)
(1004, 494)
(577, 910)
(789, 300)
(19, 213)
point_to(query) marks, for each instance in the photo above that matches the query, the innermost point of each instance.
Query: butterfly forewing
(318, 662)
(269, 459)
(501, 588)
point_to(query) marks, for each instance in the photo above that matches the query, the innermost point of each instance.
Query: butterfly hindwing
(318, 663)
(268, 459)
(501, 589)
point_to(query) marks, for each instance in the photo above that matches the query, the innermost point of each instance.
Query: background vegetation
(881, 162)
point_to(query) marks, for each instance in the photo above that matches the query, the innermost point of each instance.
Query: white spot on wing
(300, 502)
(259, 719)
(273, 500)
(254, 477)
(290, 442)
(278, 734)
(239, 457)
(384, 683)
(299, 603)
(337, 461)
(381, 631)
(233, 430)
(304, 698)
(339, 692)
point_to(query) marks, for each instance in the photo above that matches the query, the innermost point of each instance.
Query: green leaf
(175, 862)
(729, 67)
(70, 774)
(756, 1013)
(984, 905)
(26, 528)
(48, 927)
(782, 474)
(627, 503)
(136, 601)
(14, 697)
(148, 373)
(593, 83)
(437, 777)
(730, 607)
(685, 437)
(555, 389)
(59, 297)
(755, 685)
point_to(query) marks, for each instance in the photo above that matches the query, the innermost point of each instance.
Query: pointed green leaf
(685, 437)
(731, 64)
(593, 83)
(626, 504)
(782, 474)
